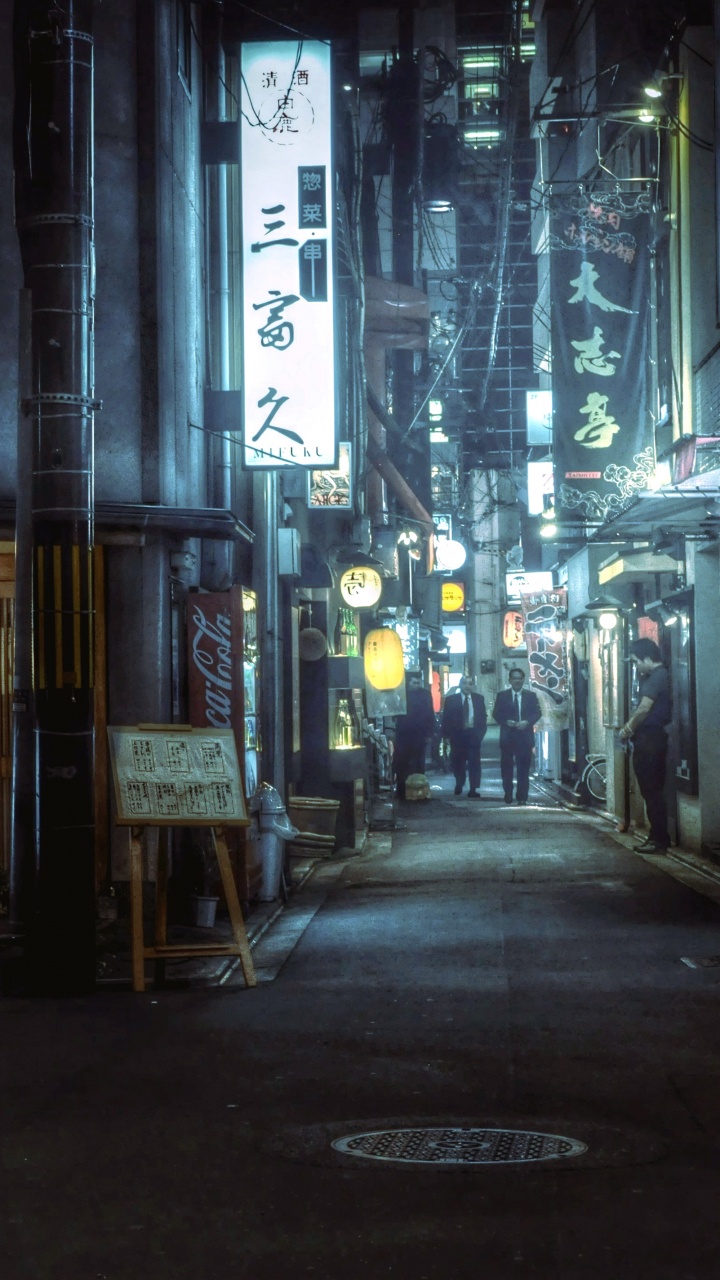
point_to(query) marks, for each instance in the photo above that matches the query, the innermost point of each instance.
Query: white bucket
(203, 910)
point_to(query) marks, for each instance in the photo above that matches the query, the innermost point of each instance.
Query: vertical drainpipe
(55, 226)
(267, 586)
(686, 274)
(23, 739)
(218, 555)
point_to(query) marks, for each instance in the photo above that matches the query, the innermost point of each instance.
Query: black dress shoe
(473, 795)
(508, 799)
(522, 801)
(458, 791)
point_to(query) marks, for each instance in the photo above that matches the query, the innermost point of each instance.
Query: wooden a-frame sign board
(177, 776)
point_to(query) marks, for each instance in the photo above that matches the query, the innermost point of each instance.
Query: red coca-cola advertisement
(220, 688)
(223, 694)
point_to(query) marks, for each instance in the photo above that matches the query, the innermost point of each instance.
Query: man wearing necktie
(517, 711)
(464, 723)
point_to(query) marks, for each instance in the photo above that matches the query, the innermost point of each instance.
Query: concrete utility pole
(54, 183)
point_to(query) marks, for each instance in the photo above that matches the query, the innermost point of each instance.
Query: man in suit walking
(464, 723)
(412, 732)
(517, 711)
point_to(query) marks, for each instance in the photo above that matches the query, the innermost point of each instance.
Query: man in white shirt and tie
(517, 711)
(464, 723)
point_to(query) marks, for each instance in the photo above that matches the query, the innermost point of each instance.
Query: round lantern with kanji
(361, 587)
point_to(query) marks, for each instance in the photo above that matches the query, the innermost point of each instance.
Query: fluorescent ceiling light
(482, 135)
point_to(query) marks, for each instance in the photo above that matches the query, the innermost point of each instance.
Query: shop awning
(690, 510)
(140, 518)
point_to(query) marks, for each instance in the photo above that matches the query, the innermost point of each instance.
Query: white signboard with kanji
(176, 777)
(287, 236)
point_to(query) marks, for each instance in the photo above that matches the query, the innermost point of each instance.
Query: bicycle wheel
(595, 779)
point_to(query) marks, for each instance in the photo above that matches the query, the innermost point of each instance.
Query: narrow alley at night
(483, 967)
(359, 678)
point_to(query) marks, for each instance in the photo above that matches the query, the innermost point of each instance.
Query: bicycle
(594, 777)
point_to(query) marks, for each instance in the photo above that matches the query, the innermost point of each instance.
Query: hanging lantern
(513, 630)
(453, 596)
(383, 654)
(361, 587)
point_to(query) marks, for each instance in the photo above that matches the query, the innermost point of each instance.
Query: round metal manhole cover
(458, 1146)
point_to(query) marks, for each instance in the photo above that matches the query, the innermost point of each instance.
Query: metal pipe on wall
(54, 184)
(218, 556)
(267, 586)
(22, 857)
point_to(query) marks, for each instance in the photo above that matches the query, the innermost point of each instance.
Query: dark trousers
(516, 753)
(409, 757)
(649, 762)
(465, 757)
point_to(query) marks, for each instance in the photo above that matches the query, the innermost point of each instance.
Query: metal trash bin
(275, 829)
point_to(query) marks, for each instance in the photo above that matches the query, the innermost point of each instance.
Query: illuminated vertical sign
(287, 234)
(602, 446)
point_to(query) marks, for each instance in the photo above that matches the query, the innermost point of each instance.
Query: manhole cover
(458, 1146)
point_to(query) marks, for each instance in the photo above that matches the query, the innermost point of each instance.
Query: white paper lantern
(361, 587)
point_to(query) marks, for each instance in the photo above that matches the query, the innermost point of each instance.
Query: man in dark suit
(412, 732)
(464, 723)
(517, 711)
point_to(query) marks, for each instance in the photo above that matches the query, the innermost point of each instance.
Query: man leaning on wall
(647, 728)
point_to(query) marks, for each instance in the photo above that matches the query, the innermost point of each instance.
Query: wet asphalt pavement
(486, 966)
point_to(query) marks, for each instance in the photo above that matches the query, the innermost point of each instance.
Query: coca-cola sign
(211, 655)
(214, 648)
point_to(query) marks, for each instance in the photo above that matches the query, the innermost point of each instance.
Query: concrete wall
(180, 247)
(698, 88)
(118, 427)
(145, 450)
(10, 269)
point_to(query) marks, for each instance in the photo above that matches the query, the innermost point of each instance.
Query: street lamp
(655, 87)
(606, 609)
(608, 620)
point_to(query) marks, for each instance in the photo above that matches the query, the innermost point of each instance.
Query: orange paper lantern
(513, 630)
(383, 655)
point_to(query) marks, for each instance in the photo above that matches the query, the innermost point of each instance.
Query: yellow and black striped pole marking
(62, 598)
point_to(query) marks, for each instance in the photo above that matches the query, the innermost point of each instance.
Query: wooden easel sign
(176, 776)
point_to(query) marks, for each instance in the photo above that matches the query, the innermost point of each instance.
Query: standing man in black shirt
(647, 728)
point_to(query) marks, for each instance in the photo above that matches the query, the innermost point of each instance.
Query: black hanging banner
(602, 443)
